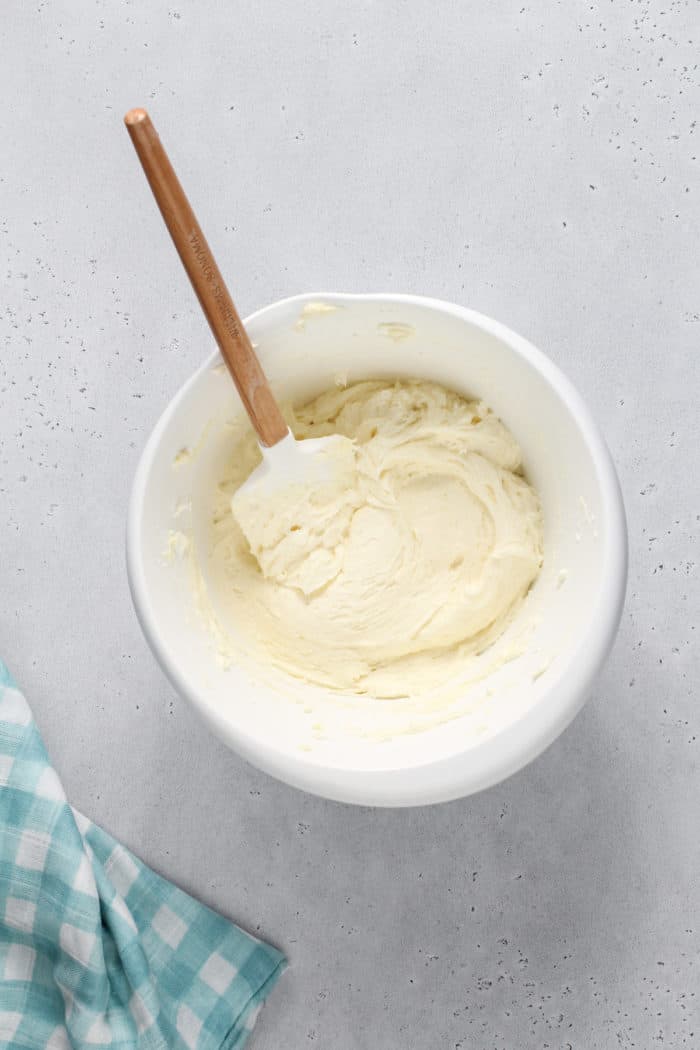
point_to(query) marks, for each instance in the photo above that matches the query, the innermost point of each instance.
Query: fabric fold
(96, 949)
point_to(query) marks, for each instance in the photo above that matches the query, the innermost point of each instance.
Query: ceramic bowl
(360, 749)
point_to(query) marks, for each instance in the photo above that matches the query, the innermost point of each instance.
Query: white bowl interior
(361, 749)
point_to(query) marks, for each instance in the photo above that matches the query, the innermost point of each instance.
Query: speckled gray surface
(537, 161)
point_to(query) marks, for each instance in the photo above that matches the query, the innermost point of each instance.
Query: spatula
(288, 466)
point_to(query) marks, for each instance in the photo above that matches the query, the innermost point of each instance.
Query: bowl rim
(514, 746)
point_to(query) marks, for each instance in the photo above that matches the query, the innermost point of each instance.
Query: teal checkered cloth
(95, 948)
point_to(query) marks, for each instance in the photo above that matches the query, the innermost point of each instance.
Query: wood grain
(209, 285)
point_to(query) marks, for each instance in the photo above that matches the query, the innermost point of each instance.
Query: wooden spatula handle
(213, 295)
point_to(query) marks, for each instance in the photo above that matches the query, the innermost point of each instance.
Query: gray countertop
(535, 160)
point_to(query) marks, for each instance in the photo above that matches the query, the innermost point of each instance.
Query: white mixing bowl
(391, 752)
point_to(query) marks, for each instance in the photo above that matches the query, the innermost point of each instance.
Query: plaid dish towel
(95, 948)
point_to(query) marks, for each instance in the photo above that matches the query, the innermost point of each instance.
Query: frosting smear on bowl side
(389, 581)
